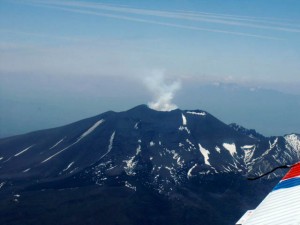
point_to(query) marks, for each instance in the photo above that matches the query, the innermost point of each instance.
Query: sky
(61, 61)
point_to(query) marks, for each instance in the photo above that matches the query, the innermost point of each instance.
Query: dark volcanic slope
(188, 160)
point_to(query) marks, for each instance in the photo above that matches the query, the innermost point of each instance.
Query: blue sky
(57, 51)
(242, 41)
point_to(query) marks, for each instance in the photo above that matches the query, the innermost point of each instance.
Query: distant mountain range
(140, 166)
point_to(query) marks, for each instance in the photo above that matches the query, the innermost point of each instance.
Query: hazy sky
(56, 56)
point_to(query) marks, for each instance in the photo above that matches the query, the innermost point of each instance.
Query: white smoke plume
(163, 93)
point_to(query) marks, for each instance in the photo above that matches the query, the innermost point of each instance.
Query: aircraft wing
(282, 204)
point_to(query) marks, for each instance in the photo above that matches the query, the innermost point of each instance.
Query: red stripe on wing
(294, 172)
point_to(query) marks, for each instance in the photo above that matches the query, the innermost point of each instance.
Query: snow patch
(191, 145)
(197, 113)
(91, 129)
(138, 150)
(72, 171)
(110, 145)
(130, 166)
(173, 174)
(111, 168)
(184, 121)
(58, 152)
(136, 126)
(205, 154)
(246, 147)
(25, 171)
(127, 184)
(272, 145)
(168, 168)
(2, 184)
(189, 174)
(24, 150)
(57, 143)
(230, 147)
(227, 169)
(111, 140)
(189, 142)
(180, 162)
(68, 167)
(16, 197)
(176, 157)
(7, 160)
(181, 128)
(248, 155)
(249, 152)
(218, 149)
(294, 141)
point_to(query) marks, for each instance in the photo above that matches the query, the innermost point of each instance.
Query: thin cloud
(41, 35)
(134, 19)
(230, 20)
(265, 20)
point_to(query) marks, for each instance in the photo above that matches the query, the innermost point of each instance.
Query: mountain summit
(143, 150)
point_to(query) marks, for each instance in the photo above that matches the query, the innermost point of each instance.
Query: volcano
(139, 166)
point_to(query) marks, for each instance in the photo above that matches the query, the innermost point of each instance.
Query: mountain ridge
(166, 153)
(193, 131)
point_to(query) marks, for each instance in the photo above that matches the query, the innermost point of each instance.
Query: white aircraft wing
(282, 204)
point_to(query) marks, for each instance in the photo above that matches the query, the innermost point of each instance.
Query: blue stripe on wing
(288, 183)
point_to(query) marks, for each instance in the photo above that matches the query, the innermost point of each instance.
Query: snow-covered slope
(139, 164)
(170, 147)
(293, 140)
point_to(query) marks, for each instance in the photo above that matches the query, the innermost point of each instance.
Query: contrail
(127, 13)
(223, 19)
(161, 23)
